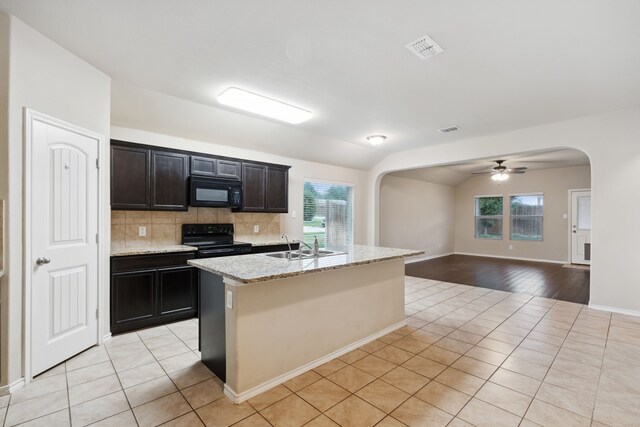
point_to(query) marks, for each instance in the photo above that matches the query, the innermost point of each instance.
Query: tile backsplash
(165, 228)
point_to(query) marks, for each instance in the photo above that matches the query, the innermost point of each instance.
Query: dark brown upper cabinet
(254, 186)
(214, 167)
(130, 177)
(265, 188)
(146, 179)
(169, 174)
(229, 169)
(277, 189)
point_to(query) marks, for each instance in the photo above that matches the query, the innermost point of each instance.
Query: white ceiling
(506, 65)
(457, 173)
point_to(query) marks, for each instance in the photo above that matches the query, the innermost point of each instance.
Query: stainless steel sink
(305, 254)
(294, 255)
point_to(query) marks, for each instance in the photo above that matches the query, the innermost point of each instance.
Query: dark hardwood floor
(534, 278)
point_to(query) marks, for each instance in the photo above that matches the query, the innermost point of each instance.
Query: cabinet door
(203, 166)
(229, 169)
(277, 189)
(130, 184)
(133, 299)
(177, 291)
(169, 172)
(254, 184)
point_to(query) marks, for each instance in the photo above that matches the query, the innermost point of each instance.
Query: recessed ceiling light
(258, 104)
(376, 139)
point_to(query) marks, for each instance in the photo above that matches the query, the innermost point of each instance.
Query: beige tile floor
(469, 356)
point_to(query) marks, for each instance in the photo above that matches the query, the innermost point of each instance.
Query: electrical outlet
(229, 299)
(256, 228)
(510, 247)
(142, 231)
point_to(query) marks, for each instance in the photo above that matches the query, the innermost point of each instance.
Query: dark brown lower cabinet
(177, 291)
(149, 290)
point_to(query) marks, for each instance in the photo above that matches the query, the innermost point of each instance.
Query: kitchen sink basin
(305, 254)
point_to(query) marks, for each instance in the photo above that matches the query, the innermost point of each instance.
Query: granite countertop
(152, 250)
(247, 269)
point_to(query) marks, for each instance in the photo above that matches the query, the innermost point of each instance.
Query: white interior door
(581, 227)
(64, 249)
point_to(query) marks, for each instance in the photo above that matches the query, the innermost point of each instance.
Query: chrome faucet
(300, 247)
(284, 236)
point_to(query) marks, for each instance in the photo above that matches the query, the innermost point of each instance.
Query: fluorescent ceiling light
(258, 104)
(376, 139)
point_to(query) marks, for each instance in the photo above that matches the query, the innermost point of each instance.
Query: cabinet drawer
(138, 262)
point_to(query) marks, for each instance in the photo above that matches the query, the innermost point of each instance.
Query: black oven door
(215, 193)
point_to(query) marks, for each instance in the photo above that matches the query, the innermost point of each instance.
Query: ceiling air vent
(424, 47)
(449, 129)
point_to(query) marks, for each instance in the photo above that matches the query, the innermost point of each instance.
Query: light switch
(142, 231)
(565, 216)
(293, 214)
(229, 299)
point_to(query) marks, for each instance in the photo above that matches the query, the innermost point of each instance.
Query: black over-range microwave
(215, 193)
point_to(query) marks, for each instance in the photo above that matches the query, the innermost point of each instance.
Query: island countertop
(248, 269)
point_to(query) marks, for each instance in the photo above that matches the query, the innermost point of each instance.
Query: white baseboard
(425, 257)
(10, 388)
(614, 309)
(241, 397)
(512, 257)
(106, 338)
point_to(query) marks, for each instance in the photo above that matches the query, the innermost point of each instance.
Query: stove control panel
(206, 229)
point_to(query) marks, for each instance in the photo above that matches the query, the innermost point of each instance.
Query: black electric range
(213, 240)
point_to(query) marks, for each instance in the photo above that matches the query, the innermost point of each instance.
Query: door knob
(42, 261)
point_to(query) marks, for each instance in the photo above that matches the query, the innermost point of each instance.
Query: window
(328, 214)
(526, 217)
(488, 217)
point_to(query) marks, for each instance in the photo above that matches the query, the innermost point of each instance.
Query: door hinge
(97, 238)
(97, 313)
(98, 163)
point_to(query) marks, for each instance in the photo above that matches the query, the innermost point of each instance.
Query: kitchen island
(264, 320)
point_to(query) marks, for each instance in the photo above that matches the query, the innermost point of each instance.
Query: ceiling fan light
(501, 176)
(376, 139)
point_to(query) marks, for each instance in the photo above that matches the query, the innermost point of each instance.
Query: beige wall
(1, 232)
(417, 215)
(311, 311)
(612, 142)
(553, 183)
(49, 79)
(300, 170)
(165, 228)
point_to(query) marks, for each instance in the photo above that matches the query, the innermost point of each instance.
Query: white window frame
(475, 216)
(341, 183)
(539, 193)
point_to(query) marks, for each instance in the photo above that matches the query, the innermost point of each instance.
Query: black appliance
(215, 193)
(213, 240)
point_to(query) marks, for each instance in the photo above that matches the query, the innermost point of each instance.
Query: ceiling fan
(501, 172)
